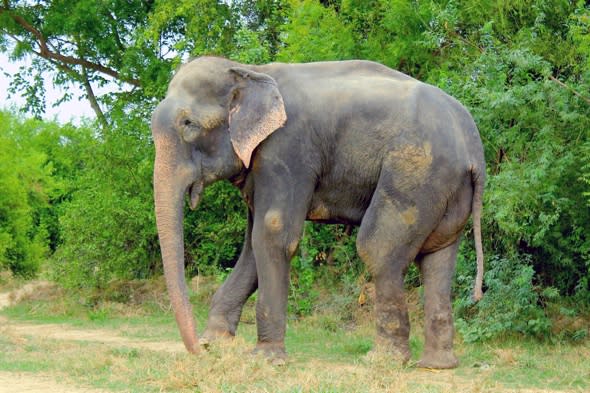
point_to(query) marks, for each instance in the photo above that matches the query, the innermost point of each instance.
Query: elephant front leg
(274, 243)
(228, 301)
(437, 273)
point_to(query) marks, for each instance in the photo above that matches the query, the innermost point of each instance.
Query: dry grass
(229, 367)
(506, 356)
(326, 355)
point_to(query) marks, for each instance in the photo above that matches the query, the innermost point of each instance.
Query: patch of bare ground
(12, 382)
(108, 337)
(63, 332)
(21, 382)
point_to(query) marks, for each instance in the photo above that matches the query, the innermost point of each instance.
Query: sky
(71, 111)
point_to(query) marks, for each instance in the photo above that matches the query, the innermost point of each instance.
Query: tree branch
(83, 78)
(46, 53)
(113, 23)
(93, 102)
(560, 83)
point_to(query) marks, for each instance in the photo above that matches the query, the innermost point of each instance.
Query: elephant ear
(256, 111)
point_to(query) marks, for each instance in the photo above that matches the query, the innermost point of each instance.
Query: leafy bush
(214, 232)
(531, 144)
(510, 306)
(316, 33)
(326, 258)
(36, 166)
(108, 225)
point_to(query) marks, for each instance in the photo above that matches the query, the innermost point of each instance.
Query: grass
(326, 355)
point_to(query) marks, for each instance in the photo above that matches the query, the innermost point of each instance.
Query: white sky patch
(71, 111)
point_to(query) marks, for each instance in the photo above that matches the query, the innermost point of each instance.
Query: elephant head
(215, 114)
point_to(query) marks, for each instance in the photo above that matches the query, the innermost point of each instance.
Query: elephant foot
(210, 336)
(389, 353)
(438, 359)
(275, 353)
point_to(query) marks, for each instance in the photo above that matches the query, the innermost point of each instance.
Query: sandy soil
(60, 332)
(18, 382)
(36, 383)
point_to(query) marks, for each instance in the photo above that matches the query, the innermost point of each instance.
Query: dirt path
(18, 382)
(36, 383)
(62, 332)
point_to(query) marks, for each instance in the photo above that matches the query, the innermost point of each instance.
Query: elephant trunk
(169, 201)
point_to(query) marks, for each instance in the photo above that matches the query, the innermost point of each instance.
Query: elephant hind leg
(437, 271)
(387, 242)
(451, 225)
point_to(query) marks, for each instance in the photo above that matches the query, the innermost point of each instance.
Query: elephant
(351, 142)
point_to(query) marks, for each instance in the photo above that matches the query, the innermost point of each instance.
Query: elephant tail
(478, 179)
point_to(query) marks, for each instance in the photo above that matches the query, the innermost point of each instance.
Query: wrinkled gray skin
(335, 142)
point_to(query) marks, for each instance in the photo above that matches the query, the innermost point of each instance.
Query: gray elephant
(334, 142)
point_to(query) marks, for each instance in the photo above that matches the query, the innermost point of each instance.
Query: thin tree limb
(46, 53)
(93, 101)
(83, 78)
(560, 83)
(113, 23)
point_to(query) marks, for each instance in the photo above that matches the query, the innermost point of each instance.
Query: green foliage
(586, 168)
(23, 176)
(532, 128)
(108, 224)
(316, 33)
(87, 41)
(194, 27)
(84, 197)
(392, 31)
(511, 304)
(303, 293)
(249, 49)
(214, 232)
(36, 164)
(263, 19)
(327, 257)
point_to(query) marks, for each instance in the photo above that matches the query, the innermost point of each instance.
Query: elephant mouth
(194, 192)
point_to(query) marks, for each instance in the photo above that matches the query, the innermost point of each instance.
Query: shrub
(510, 306)
(108, 224)
(34, 172)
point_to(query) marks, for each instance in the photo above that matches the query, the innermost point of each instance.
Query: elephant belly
(341, 208)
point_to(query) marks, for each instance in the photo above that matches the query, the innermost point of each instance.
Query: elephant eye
(190, 134)
(190, 130)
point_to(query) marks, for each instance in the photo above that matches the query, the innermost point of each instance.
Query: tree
(106, 226)
(39, 161)
(521, 67)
